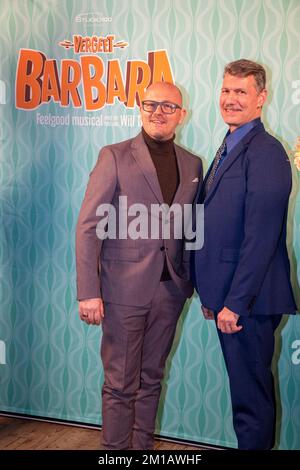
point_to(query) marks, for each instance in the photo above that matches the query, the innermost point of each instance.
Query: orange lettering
(77, 43)
(28, 81)
(50, 86)
(93, 82)
(69, 84)
(37, 79)
(115, 85)
(138, 78)
(160, 67)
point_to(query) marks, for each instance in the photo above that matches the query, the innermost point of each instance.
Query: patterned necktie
(214, 168)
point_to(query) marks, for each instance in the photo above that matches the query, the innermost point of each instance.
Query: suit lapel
(230, 159)
(143, 158)
(200, 193)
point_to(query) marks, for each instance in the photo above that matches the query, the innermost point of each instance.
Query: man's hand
(227, 321)
(207, 313)
(91, 311)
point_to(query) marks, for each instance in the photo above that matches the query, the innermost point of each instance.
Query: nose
(230, 97)
(158, 110)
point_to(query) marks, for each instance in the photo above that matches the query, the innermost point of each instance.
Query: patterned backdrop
(49, 360)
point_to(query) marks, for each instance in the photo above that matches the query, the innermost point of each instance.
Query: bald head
(166, 89)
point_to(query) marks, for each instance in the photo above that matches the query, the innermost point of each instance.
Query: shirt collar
(159, 146)
(233, 138)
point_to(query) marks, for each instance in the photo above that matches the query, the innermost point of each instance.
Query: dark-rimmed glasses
(167, 108)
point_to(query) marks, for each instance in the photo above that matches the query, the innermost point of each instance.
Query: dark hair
(244, 68)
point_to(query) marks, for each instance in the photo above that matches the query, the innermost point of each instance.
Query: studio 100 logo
(92, 18)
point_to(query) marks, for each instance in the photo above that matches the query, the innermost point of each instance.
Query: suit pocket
(230, 255)
(121, 254)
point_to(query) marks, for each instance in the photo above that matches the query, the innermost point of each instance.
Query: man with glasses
(137, 286)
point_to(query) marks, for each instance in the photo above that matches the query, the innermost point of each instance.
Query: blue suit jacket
(243, 264)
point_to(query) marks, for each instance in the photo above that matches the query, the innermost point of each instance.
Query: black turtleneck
(164, 159)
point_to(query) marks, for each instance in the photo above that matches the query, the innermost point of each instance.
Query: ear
(262, 98)
(182, 115)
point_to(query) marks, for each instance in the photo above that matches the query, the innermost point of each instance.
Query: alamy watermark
(296, 353)
(137, 221)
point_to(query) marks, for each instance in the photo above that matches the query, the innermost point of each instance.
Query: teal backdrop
(49, 360)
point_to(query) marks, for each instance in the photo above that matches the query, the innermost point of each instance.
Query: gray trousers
(135, 345)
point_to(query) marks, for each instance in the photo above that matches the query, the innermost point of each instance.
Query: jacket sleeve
(266, 203)
(100, 190)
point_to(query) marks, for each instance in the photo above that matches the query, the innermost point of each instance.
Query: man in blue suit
(242, 273)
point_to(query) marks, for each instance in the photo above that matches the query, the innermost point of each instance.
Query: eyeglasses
(165, 106)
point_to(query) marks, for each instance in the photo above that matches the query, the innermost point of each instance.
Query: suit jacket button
(162, 248)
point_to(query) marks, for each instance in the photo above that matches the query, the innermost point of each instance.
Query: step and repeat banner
(71, 77)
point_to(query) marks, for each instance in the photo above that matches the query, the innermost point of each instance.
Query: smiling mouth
(231, 110)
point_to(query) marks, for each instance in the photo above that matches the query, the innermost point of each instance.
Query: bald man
(130, 278)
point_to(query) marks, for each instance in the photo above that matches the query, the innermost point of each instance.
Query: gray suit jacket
(127, 271)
